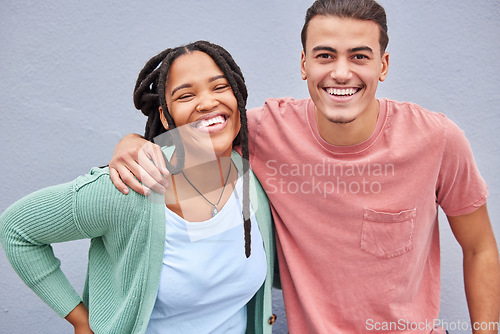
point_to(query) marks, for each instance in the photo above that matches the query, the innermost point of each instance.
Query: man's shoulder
(283, 103)
(287, 102)
(412, 112)
(423, 124)
(282, 109)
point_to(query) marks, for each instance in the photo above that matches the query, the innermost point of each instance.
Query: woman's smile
(211, 123)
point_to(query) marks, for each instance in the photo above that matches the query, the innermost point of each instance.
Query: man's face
(343, 64)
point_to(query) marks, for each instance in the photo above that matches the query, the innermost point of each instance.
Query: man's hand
(135, 156)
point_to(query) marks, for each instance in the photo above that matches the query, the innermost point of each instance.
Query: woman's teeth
(208, 122)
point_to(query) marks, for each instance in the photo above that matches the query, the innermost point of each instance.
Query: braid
(151, 80)
(235, 78)
(149, 95)
(146, 97)
(246, 182)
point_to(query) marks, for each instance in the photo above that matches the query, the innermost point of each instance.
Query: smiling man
(358, 247)
(343, 61)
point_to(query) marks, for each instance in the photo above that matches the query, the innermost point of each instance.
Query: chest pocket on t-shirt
(387, 235)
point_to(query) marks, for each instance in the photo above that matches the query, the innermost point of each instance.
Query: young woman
(198, 259)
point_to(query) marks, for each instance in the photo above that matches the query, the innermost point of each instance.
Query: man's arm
(137, 160)
(481, 268)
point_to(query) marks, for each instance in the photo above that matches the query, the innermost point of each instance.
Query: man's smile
(341, 91)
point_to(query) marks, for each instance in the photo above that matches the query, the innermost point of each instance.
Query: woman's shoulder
(100, 206)
(97, 175)
(96, 187)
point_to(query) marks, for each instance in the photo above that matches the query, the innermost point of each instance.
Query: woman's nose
(207, 102)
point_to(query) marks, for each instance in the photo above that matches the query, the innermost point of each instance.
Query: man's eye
(323, 56)
(360, 57)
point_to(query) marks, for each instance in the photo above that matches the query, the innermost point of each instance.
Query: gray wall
(67, 70)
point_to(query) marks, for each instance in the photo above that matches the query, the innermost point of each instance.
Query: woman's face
(202, 104)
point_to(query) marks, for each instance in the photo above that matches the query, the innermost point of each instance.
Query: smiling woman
(198, 94)
(181, 261)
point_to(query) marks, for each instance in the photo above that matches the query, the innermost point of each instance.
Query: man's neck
(352, 133)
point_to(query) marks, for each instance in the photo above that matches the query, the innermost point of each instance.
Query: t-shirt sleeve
(253, 119)
(460, 189)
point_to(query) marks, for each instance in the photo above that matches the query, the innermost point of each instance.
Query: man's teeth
(341, 92)
(207, 122)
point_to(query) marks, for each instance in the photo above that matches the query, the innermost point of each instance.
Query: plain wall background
(68, 68)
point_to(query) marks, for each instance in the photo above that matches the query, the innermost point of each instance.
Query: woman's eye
(184, 96)
(221, 87)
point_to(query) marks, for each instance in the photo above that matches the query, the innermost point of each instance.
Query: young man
(354, 184)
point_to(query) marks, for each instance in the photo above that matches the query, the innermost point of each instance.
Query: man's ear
(303, 74)
(385, 67)
(162, 118)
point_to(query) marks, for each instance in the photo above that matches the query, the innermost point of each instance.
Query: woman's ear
(162, 118)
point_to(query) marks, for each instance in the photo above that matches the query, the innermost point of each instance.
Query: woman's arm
(27, 228)
(88, 207)
(79, 318)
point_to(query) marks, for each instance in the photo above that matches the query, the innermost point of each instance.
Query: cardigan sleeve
(87, 207)
(27, 228)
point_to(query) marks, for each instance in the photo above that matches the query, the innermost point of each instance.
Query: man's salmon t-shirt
(357, 226)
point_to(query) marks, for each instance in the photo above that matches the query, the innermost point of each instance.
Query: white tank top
(206, 279)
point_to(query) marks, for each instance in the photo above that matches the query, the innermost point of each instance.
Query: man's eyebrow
(330, 49)
(361, 48)
(324, 48)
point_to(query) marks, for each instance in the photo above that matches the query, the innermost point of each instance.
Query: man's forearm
(482, 287)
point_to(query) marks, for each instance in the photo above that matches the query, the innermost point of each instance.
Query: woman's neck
(201, 185)
(206, 175)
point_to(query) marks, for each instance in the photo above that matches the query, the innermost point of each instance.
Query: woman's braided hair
(147, 98)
